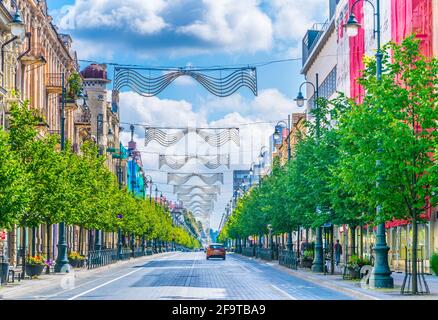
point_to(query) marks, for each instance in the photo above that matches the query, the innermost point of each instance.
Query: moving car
(216, 250)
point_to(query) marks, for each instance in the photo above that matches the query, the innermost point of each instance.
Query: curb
(324, 283)
(54, 278)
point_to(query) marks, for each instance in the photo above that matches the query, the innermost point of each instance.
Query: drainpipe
(29, 37)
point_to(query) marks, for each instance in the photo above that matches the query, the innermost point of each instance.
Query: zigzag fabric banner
(190, 189)
(163, 138)
(200, 203)
(205, 197)
(221, 138)
(179, 179)
(210, 162)
(149, 82)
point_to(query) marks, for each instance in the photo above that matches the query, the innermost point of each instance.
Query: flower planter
(76, 263)
(354, 273)
(306, 263)
(34, 270)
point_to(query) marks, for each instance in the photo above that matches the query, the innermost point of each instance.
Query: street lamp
(289, 155)
(119, 239)
(62, 263)
(317, 265)
(18, 28)
(381, 273)
(288, 126)
(150, 183)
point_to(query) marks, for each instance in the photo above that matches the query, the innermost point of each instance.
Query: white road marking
(111, 281)
(104, 284)
(283, 292)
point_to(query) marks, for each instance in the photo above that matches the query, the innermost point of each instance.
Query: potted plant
(76, 260)
(307, 259)
(354, 265)
(74, 86)
(434, 263)
(35, 265)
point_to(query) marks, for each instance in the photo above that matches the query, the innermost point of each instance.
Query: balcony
(84, 118)
(54, 82)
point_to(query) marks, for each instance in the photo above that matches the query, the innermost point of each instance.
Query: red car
(216, 250)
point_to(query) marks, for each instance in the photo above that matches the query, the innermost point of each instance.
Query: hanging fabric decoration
(221, 138)
(203, 208)
(163, 138)
(221, 82)
(202, 196)
(194, 204)
(210, 162)
(189, 189)
(178, 178)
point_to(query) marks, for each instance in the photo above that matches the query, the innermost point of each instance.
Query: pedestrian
(338, 252)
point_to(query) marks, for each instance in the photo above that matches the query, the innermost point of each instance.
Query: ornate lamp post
(318, 261)
(381, 273)
(62, 263)
(119, 239)
(289, 156)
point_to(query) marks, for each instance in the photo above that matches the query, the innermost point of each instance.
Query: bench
(16, 273)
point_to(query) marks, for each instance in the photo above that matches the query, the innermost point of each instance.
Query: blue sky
(198, 33)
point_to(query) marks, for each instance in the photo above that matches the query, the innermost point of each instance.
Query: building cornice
(318, 47)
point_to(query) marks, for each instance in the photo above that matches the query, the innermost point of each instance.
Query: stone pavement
(187, 276)
(353, 287)
(54, 281)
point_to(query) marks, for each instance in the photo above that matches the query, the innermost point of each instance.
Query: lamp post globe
(18, 28)
(300, 100)
(352, 26)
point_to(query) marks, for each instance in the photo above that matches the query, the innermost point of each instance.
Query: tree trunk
(353, 240)
(361, 242)
(414, 254)
(49, 228)
(332, 249)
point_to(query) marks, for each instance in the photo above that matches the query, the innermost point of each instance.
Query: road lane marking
(104, 284)
(121, 277)
(283, 292)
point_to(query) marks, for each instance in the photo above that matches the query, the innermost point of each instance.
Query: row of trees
(39, 184)
(380, 151)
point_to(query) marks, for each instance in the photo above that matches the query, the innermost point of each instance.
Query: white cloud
(136, 15)
(292, 18)
(183, 26)
(234, 25)
(270, 104)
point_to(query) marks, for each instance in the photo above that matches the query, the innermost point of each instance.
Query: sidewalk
(353, 287)
(54, 280)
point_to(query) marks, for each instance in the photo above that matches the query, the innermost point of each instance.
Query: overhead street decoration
(210, 162)
(203, 196)
(180, 178)
(163, 138)
(221, 82)
(189, 189)
(221, 138)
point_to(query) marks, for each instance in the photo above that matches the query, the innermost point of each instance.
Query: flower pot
(306, 263)
(34, 270)
(354, 273)
(77, 263)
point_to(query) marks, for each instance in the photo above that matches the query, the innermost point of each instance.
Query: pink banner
(357, 51)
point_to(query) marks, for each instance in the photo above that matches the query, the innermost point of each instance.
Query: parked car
(216, 250)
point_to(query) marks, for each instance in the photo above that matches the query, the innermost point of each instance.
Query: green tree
(399, 117)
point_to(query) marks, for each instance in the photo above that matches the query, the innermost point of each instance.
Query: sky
(197, 33)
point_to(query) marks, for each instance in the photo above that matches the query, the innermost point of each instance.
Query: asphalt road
(190, 276)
